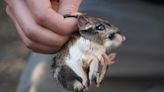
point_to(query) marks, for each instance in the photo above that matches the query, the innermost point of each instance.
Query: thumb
(68, 6)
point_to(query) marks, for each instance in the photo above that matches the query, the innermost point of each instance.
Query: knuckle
(28, 44)
(40, 17)
(29, 31)
(60, 41)
(65, 31)
(10, 2)
(69, 28)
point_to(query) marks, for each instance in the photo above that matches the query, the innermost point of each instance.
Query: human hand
(40, 27)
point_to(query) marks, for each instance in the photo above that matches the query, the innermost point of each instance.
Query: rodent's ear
(83, 22)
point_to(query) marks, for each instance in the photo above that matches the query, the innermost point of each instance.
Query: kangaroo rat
(83, 58)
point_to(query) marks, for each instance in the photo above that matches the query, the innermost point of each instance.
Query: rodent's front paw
(108, 59)
(104, 62)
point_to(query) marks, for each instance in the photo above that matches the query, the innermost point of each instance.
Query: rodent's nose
(118, 32)
(123, 37)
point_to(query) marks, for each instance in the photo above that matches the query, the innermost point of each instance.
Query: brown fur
(63, 52)
(99, 40)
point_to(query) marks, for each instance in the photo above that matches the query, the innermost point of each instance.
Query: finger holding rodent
(68, 6)
(45, 15)
(34, 32)
(34, 46)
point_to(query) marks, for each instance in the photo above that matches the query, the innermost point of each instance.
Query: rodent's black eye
(100, 27)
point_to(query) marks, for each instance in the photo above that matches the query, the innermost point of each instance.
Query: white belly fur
(84, 49)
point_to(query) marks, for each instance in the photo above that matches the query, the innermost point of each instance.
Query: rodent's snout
(118, 32)
(117, 35)
(121, 37)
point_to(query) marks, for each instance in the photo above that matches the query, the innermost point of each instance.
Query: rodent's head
(99, 31)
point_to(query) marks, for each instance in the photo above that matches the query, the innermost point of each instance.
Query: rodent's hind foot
(78, 86)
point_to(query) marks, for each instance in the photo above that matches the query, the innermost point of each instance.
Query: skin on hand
(40, 27)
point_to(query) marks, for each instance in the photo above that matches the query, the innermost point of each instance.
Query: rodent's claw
(105, 61)
(108, 59)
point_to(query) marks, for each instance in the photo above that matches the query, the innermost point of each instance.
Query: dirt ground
(13, 53)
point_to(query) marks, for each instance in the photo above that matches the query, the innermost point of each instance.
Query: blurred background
(139, 66)
(13, 53)
(140, 62)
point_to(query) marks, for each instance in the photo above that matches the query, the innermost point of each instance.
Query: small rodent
(83, 58)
